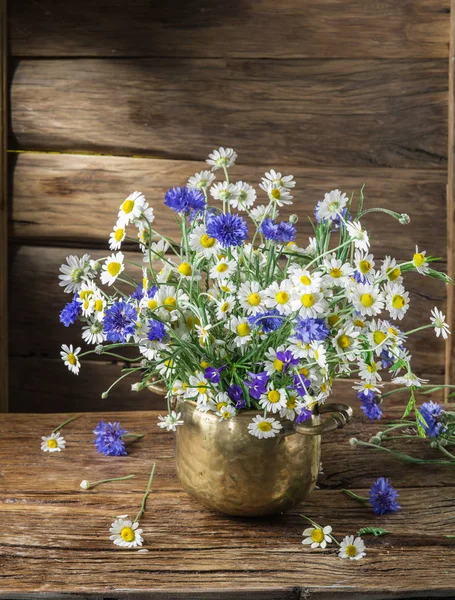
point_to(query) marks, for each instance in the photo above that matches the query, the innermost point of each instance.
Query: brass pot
(228, 470)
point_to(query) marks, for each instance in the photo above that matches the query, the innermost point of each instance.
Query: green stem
(147, 492)
(91, 484)
(66, 423)
(319, 527)
(135, 435)
(406, 457)
(355, 496)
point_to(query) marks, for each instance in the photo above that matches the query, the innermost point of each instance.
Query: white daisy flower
(112, 268)
(201, 180)
(367, 299)
(146, 217)
(420, 262)
(117, 236)
(397, 300)
(358, 235)
(299, 349)
(223, 268)
(309, 304)
(187, 271)
(227, 192)
(224, 307)
(279, 296)
(93, 333)
(337, 272)
(368, 371)
(167, 367)
(246, 196)
(317, 537)
(74, 273)
(125, 533)
(169, 299)
(241, 328)
(199, 388)
(332, 206)
(170, 422)
(391, 270)
(158, 249)
(311, 251)
(377, 335)
(223, 157)
(250, 297)
(346, 342)
(364, 263)
(261, 427)
(272, 364)
(409, 379)
(352, 548)
(438, 319)
(225, 413)
(164, 274)
(53, 443)
(202, 243)
(228, 287)
(311, 400)
(365, 388)
(291, 409)
(69, 357)
(131, 208)
(278, 180)
(260, 212)
(305, 280)
(280, 195)
(319, 353)
(203, 333)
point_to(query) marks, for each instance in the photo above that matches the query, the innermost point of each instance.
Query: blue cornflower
(303, 415)
(301, 384)
(119, 322)
(359, 277)
(228, 230)
(258, 384)
(213, 374)
(383, 497)
(387, 359)
(308, 330)
(287, 358)
(282, 233)
(157, 331)
(268, 321)
(369, 404)
(336, 221)
(235, 393)
(431, 412)
(184, 200)
(70, 312)
(138, 294)
(109, 439)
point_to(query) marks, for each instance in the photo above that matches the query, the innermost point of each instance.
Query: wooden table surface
(55, 543)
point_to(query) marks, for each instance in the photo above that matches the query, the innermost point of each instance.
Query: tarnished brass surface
(228, 470)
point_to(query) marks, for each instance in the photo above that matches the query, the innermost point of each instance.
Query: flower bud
(353, 442)
(293, 218)
(375, 440)
(85, 485)
(104, 395)
(99, 349)
(404, 219)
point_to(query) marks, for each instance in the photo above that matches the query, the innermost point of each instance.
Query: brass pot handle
(341, 414)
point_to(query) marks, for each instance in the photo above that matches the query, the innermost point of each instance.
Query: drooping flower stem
(90, 484)
(146, 495)
(355, 496)
(65, 423)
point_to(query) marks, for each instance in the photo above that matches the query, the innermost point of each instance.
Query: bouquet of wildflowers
(235, 315)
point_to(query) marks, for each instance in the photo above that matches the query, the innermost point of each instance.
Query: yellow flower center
(278, 364)
(366, 300)
(152, 304)
(392, 331)
(86, 304)
(394, 273)
(359, 323)
(264, 426)
(128, 206)
(305, 280)
(192, 321)
(275, 193)
(84, 294)
(202, 388)
(379, 337)
(114, 268)
(52, 443)
(351, 550)
(221, 405)
(419, 259)
(398, 301)
(333, 320)
(304, 371)
(344, 341)
(372, 368)
(71, 359)
(98, 305)
(226, 414)
(308, 300)
(364, 266)
(127, 534)
(118, 235)
(282, 297)
(336, 273)
(222, 268)
(207, 241)
(254, 299)
(243, 329)
(204, 364)
(168, 363)
(185, 269)
(291, 403)
(224, 307)
(170, 302)
(273, 396)
(317, 535)
(225, 288)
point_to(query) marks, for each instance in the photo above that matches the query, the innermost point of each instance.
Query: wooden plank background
(3, 213)
(341, 94)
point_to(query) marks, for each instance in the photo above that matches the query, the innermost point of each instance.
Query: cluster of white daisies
(235, 315)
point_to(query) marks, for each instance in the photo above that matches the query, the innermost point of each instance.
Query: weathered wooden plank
(3, 213)
(36, 301)
(194, 553)
(72, 199)
(244, 28)
(313, 112)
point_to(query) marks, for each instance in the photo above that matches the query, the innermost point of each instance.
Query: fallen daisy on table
(319, 537)
(55, 442)
(353, 548)
(127, 533)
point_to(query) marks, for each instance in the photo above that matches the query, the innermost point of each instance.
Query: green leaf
(376, 531)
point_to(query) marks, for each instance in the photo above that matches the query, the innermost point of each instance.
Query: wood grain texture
(369, 113)
(56, 541)
(3, 213)
(64, 199)
(239, 28)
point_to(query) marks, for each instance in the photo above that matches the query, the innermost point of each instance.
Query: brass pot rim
(212, 415)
